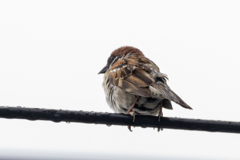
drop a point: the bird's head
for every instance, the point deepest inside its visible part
(119, 53)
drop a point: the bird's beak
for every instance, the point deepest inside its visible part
(104, 69)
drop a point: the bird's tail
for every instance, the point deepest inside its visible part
(163, 91)
(175, 98)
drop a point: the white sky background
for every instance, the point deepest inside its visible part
(51, 52)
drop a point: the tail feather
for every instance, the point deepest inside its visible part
(175, 98)
(162, 90)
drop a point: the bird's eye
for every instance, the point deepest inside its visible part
(111, 59)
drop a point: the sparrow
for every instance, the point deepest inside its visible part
(134, 85)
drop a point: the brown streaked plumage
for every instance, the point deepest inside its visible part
(134, 84)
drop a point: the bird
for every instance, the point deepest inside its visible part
(133, 84)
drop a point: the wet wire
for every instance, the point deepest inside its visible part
(118, 119)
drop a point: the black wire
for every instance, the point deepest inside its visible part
(118, 119)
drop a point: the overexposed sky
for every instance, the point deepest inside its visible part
(51, 52)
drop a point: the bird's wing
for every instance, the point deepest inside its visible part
(134, 74)
(131, 74)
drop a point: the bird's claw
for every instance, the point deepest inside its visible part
(160, 114)
(129, 128)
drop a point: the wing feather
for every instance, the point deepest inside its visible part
(140, 76)
(132, 88)
(131, 75)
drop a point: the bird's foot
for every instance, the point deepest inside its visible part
(129, 128)
(160, 114)
(132, 114)
(132, 106)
